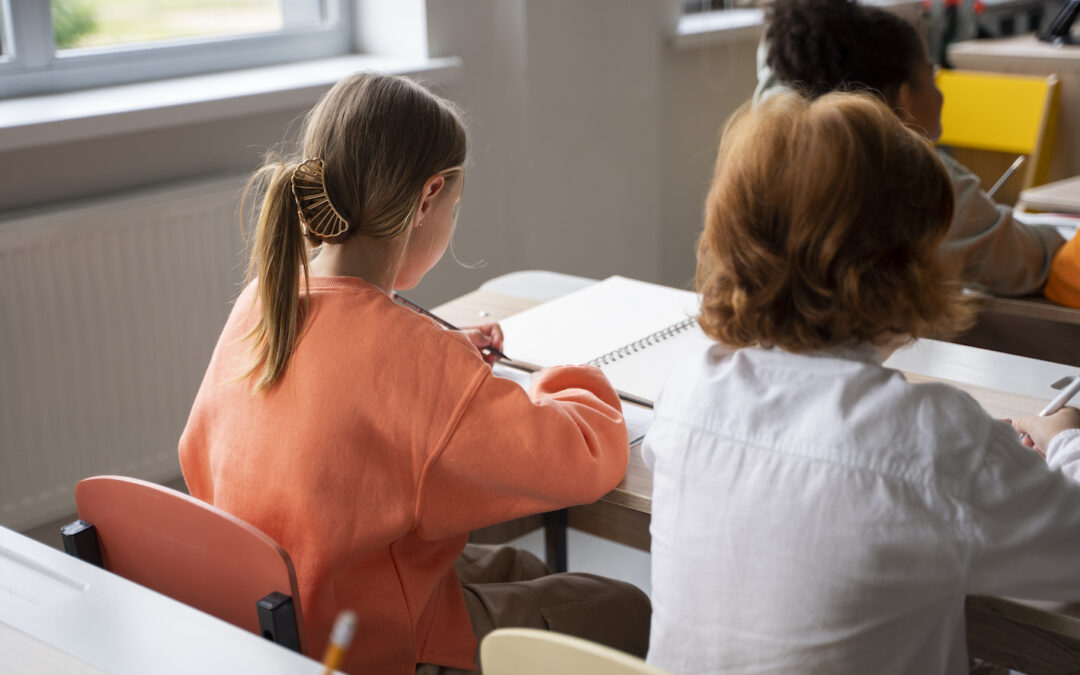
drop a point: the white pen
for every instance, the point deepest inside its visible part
(1059, 401)
(1005, 176)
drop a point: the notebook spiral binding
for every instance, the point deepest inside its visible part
(645, 342)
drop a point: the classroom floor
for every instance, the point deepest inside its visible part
(585, 553)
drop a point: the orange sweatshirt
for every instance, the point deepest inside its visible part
(386, 440)
(1063, 284)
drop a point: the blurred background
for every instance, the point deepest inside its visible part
(128, 127)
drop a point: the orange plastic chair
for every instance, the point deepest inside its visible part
(188, 550)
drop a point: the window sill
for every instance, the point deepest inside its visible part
(731, 25)
(72, 116)
(720, 27)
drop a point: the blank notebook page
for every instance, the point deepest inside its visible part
(643, 329)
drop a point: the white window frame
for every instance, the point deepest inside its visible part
(691, 7)
(32, 66)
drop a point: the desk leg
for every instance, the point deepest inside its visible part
(1021, 637)
(555, 540)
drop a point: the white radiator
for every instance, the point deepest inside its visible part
(109, 311)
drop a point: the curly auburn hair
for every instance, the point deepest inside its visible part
(821, 229)
(820, 46)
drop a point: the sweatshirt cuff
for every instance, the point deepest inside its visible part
(1051, 239)
(1064, 450)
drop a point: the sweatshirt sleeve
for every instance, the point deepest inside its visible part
(513, 453)
(988, 246)
(1025, 518)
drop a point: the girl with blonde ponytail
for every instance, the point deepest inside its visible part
(367, 440)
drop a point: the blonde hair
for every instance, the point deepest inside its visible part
(822, 227)
(380, 138)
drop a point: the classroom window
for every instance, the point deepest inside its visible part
(5, 39)
(110, 23)
(72, 44)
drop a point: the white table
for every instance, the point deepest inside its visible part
(981, 367)
(61, 615)
(1062, 196)
(1005, 385)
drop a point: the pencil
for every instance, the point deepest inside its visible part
(1059, 401)
(1062, 398)
(340, 637)
(445, 324)
(1005, 176)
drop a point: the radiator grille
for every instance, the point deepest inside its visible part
(108, 313)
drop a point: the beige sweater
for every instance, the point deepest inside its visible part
(986, 245)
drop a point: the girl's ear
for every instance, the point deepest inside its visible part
(903, 95)
(902, 105)
(432, 188)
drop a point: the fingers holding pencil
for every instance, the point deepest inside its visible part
(1066, 394)
(1041, 429)
(488, 338)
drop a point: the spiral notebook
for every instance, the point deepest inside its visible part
(632, 330)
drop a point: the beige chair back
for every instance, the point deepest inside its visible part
(527, 651)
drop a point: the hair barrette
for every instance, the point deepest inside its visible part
(317, 214)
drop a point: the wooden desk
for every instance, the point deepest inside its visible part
(1030, 326)
(1033, 639)
(61, 615)
(984, 374)
(1061, 196)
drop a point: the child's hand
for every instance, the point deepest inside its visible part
(485, 335)
(1041, 430)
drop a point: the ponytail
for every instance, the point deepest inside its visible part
(368, 147)
(278, 254)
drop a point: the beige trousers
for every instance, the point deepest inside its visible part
(506, 587)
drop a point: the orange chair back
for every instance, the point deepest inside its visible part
(185, 548)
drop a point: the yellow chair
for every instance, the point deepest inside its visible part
(527, 651)
(1011, 114)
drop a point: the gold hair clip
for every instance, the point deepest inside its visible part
(309, 188)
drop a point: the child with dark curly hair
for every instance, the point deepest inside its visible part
(819, 46)
(813, 511)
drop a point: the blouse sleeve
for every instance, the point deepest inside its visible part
(988, 246)
(513, 453)
(1025, 519)
(1064, 453)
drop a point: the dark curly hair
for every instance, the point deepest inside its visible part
(818, 46)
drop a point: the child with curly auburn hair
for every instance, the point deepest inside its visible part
(819, 46)
(812, 510)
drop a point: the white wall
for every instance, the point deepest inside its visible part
(592, 144)
(592, 138)
(701, 88)
(593, 135)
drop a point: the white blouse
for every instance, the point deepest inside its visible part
(818, 513)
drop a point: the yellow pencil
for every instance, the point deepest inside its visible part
(340, 637)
